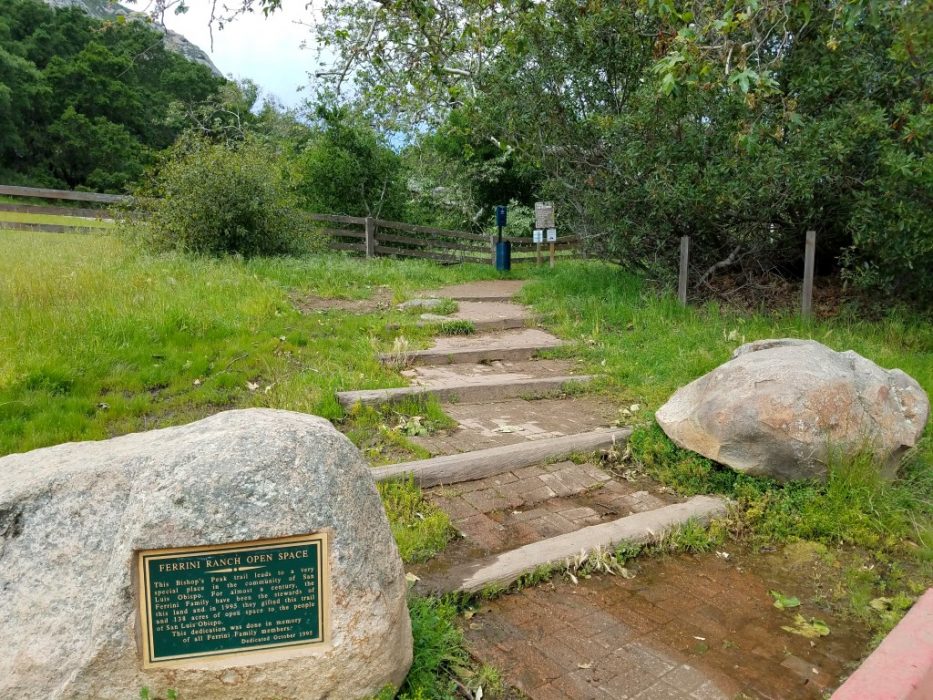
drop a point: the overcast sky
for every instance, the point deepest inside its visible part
(268, 51)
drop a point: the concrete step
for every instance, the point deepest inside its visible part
(465, 391)
(506, 567)
(480, 326)
(511, 345)
(481, 426)
(479, 464)
(485, 315)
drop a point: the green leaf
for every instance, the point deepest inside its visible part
(783, 602)
(811, 629)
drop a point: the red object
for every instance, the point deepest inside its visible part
(901, 668)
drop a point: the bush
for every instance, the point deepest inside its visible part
(348, 168)
(222, 198)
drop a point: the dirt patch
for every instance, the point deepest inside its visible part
(751, 294)
(381, 300)
(685, 626)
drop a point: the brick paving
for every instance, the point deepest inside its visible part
(685, 628)
(530, 504)
(481, 426)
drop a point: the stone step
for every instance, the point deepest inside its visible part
(509, 345)
(481, 426)
(465, 391)
(485, 315)
(467, 466)
(493, 290)
(480, 326)
(506, 567)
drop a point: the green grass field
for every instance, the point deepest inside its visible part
(81, 222)
(98, 338)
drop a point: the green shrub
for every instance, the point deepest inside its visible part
(222, 198)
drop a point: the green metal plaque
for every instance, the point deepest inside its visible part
(207, 601)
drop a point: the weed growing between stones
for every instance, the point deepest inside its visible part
(442, 667)
(440, 654)
(146, 694)
(383, 433)
(420, 528)
(457, 327)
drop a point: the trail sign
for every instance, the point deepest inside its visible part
(544, 215)
(538, 236)
(551, 235)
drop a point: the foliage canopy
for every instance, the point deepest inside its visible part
(84, 102)
(741, 126)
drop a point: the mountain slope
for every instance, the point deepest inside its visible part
(103, 9)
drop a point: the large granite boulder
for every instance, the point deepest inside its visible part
(779, 408)
(73, 519)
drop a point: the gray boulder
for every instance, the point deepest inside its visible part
(72, 518)
(779, 408)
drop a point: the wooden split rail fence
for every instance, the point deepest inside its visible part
(32, 215)
(371, 237)
(368, 236)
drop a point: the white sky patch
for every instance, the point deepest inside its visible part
(265, 50)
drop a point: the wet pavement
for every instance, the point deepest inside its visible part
(684, 627)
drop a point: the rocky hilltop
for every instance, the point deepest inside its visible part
(103, 9)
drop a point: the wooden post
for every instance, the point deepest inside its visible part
(809, 254)
(492, 250)
(538, 253)
(370, 237)
(682, 279)
(552, 245)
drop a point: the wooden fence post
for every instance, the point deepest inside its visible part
(370, 237)
(682, 279)
(492, 248)
(809, 254)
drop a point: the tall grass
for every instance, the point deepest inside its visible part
(99, 339)
(646, 345)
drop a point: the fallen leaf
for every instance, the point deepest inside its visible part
(252, 386)
(588, 664)
(811, 629)
(411, 578)
(881, 604)
(783, 602)
(468, 614)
